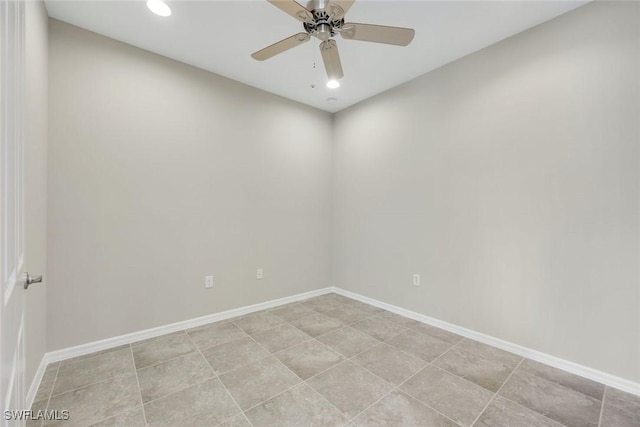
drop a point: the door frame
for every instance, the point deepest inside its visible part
(12, 239)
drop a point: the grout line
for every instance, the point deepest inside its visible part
(374, 403)
(89, 385)
(89, 356)
(397, 388)
(276, 395)
(428, 364)
(432, 363)
(239, 366)
(394, 387)
(604, 394)
(165, 361)
(179, 390)
(556, 384)
(117, 415)
(130, 409)
(368, 349)
(279, 361)
(55, 378)
(342, 362)
(133, 362)
(496, 393)
(326, 333)
(219, 344)
(305, 381)
(217, 377)
(51, 395)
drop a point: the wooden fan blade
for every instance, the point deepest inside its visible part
(338, 8)
(378, 34)
(294, 9)
(331, 59)
(281, 46)
(345, 5)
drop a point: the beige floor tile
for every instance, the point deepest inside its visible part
(389, 363)
(149, 353)
(340, 298)
(567, 379)
(347, 314)
(281, 337)
(293, 311)
(168, 377)
(350, 388)
(365, 307)
(613, 416)
(484, 372)
(623, 400)
(46, 384)
(36, 420)
(322, 303)
(215, 334)
(95, 353)
(316, 324)
(458, 399)
(309, 358)
(419, 345)
(205, 404)
(253, 384)
(132, 418)
(348, 341)
(231, 355)
(401, 410)
(257, 322)
(300, 406)
(91, 370)
(438, 333)
(97, 402)
(237, 421)
(507, 359)
(503, 412)
(379, 328)
(554, 401)
(400, 320)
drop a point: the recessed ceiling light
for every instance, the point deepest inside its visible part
(332, 84)
(332, 100)
(159, 7)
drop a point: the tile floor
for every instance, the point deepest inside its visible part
(325, 361)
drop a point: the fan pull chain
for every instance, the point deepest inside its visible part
(314, 54)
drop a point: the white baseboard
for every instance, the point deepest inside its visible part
(81, 350)
(547, 359)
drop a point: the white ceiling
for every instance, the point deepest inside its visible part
(219, 36)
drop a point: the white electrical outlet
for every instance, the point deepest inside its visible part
(259, 274)
(416, 280)
(208, 282)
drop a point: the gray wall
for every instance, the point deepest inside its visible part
(160, 174)
(36, 135)
(509, 181)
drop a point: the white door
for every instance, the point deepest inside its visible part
(12, 297)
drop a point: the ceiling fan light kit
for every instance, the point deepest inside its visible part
(324, 19)
(159, 7)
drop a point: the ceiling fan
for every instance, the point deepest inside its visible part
(324, 19)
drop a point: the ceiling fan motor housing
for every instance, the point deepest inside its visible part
(324, 24)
